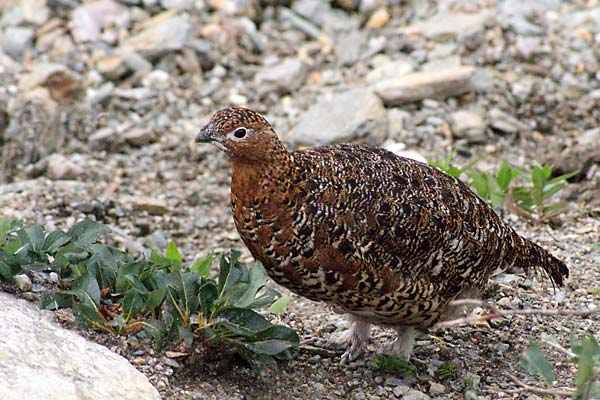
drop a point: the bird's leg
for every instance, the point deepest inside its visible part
(356, 338)
(403, 345)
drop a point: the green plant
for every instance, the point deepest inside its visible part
(111, 291)
(499, 188)
(445, 164)
(446, 371)
(494, 187)
(584, 353)
(393, 364)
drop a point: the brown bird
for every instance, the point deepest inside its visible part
(388, 240)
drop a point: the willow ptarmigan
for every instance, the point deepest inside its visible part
(388, 240)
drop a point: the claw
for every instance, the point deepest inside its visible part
(355, 340)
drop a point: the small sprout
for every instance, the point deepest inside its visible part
(446, 371)
(393, 364)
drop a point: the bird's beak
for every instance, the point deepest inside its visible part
(203, 136)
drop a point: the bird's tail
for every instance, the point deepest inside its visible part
(532, 256)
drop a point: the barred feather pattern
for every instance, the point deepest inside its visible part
(385, 238)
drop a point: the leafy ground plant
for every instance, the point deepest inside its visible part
(500, 188)
(110, 290)
(584, 353)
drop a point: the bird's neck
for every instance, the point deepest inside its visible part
(254, 175)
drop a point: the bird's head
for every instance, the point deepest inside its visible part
(243, 134)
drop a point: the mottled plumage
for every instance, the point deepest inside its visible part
(389, 240)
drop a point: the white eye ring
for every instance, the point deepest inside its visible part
(240, 133)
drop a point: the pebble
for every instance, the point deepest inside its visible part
(393, 382)
(448, 26)
(23, 282)
(505, 122)
(378, 19)
(341, 117)
(417, 86)
(468, 125)
(89, 19)
(16, 39)
(392, 69)
(282, 77)
(59, 168)
(436, 388)
(414, 395)
(151, 205)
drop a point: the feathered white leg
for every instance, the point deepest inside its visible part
(356, 338)
(405, 342)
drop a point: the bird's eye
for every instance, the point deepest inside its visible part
(240, 133)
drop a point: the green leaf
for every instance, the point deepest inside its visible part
(257, 279)
(54, 241)
(278, 306)
(32, 235)
(245, 318)
(87, 232)
(270, 347)
(202, 267)
(172, 253)
(534, 362)
(133, 304)
(89, 285)
(586, 350)
(504, 175)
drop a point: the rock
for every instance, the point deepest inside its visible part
(395, 382)
(400, 150)
(417, 86)
(23, 12)
(468, 125)
(61, 168)
(400, 390)
(392, 69)
(349, 46)
(39, 360)
(88, 19)
(504, 122)
(342, 117)
(23, 282)
(139, 136)
(16, 39)
(282, 77)
(177, 4)
(415, 395)
(436, 388)
(378, 19)
(151, 205)
(580, 155)
(164, 32)
(449, 26)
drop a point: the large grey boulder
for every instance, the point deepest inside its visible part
(41, 360)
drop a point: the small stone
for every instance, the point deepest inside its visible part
(342, 117)
(392, 69)
(16, 39)
(61, 168)
(394, 382)
(436, 388)
(359, 395)
(417, 86)
(139, 136)
(23, 282)
(177, 4)
(164, 32)
(468, 125)
(88, 19)
(151, 205)
(378, 19)
(414, 395)
(505, 122)
(449, 25)
(282, 77)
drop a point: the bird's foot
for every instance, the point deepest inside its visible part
(403, 346)
(355, 340)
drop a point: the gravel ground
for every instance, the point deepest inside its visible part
(110, 140)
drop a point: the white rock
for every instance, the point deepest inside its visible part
(440, 83)
(39, 360)
(23, 282)
(88, 19)
(34, 11)
(400, 150)
(342, 117)
(392, 69)
(164, 32)
(468, 125)
(449, 25)
(16, 39)
(59, 168)
(505, 122)
(151, 205)
(177, 4)
(282, 77)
